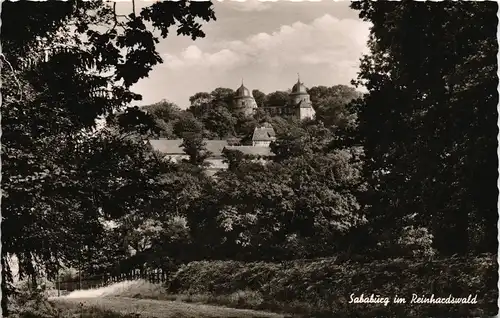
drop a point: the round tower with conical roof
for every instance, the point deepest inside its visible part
(243, 99)
(301, 101)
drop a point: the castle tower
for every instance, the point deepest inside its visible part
(301, 102)
(244, 100)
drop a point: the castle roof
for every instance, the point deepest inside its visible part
(173, 146)
(253, 150)
(264, 133)
(243, 92)
(299, 88)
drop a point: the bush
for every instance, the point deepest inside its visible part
(323, 287)
(416, 241)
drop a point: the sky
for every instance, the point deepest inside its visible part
(264, 43)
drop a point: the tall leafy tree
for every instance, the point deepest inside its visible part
(331, 104)
(233, 158)
(195, 147)
(277, 98)
(220, 121)
(223, 95)
(429, 120)
(164, 110)
(260, 97)
(70, 63)
(200, 104)
(187, 123)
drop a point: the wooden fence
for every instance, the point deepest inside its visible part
(88, 282)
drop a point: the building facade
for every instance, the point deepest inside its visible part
(299, 104)
(173, 151)
(263, 135)
(243, 99)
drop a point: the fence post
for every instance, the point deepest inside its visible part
(58, 284)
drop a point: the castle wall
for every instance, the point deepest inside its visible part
(307, 112)
(261, 143)
(299, 98)
(248, 105)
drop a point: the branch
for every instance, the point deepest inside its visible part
(115, 18)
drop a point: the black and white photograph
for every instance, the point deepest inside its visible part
(192, 159)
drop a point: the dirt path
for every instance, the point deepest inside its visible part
(162, 308)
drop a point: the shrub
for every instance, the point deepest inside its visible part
(323, 287)
(416, 241)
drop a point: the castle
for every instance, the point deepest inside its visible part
(299, 104)
(173, 151)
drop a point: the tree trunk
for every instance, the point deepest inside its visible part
(6, 279)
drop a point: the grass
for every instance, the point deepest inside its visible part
(130, 307)
(141, 289)
(126, 300)
(51, 309)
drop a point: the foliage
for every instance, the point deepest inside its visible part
(301, 205)
(322, 287)
(68, 67)
(233, 158)
(331, 104)
(194, 146)
(277, 98)
(214, 113)
(416, 240)
(429, 121)
(29, 302)
(134, 121)
(166, 116)
(260, 97)
(187, 123)
(220, 121)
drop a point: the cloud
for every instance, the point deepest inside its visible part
(327, 41)
(192, 56)
(325, 51)
(249, 5)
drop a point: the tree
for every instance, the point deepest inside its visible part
(220, 121)
(187, 123)
(428, 122)
(194, 147)
(261, 116)
(301, 207)
(260, 97)
(200, 104)
(218, 114)
(164, 110)
(294, 206)
(292, 143)
(68, 66)
(277, 98)
(309, 137)
(331, 104)
(233, 158)
(134, 120)
(222, 95)
(327, 209)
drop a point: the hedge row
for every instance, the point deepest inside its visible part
(322, 288)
